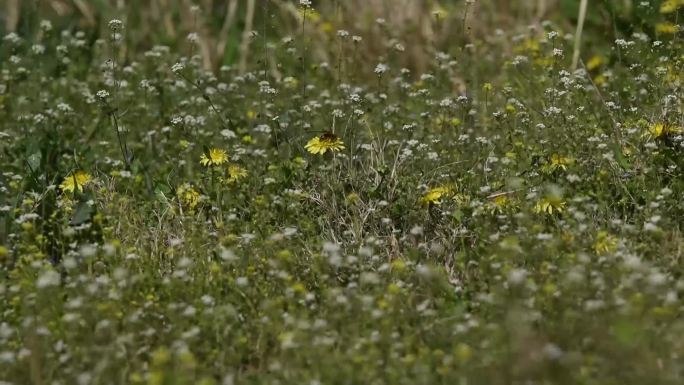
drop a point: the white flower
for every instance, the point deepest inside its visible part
(46, 25)
(178, 67)
(517, 276)
(47, 279)
(115, 24)
(102, 94)
(381, 68)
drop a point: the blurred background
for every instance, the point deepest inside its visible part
(226, 31)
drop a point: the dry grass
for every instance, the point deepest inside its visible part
(225, 27)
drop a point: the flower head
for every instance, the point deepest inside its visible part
(76, 181)
(667, 28)
(595, 62)
(188, 195)
(549, 205)
(214, 157)
(321, 144)
(500, 203)
(661, 130)
(670, 6)
(435, 195)
(605, 243)
(558, 162)
(235, 173)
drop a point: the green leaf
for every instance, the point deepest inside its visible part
(161, 192)
(82, 214)
(34, 161)
(620, 157)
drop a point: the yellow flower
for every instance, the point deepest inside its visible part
(321, 144)
(670, 6)
(76, 181)
(500, 203)
(214, 157)
(600, 80)
(188, 195)
(667, 28)
(661, 130)
(435, 195)
(595, 62)
(235, 173)
(549, 206)
(605, 243)
(528, 45)
(558, 162)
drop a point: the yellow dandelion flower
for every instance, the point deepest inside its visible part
(549, 206)
(188, 196)
(235, 173)
(321, 144)
(600, 80)
(214, 157)
(673, 75)
(500, 203)
(558, 162)
(667, 28)
(605, 243)
(435, 195)
(76, 181)
(528, 45)
(595, 62)
(670, 6)
(661, 130)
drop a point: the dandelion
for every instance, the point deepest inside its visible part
(604, 243)
(661, 130)
(188, 196)
(549, 205)
(595, 62)
(667, 28)
(558, 162)
(76, 181)
(500, 203)
(235, 173)
(321, 144)
(214, 157)
(670, 6)
(435, 195)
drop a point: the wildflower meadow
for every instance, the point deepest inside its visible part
(326, 192)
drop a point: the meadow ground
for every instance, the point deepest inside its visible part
(429, 203)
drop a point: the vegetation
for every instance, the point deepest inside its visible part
(331, 195)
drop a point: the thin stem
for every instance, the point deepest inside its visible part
(578, 33)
